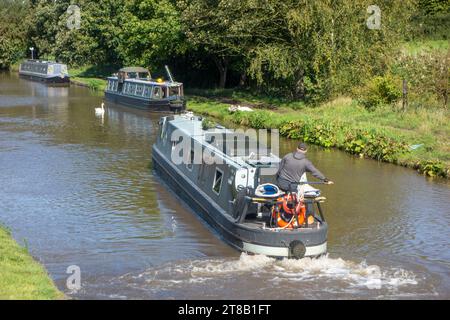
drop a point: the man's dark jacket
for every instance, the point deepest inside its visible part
(292, 167)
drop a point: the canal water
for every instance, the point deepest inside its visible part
(78, 189)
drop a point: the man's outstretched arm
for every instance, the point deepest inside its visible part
(313, 170)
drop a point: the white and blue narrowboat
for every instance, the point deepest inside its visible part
(134, 87)
(44, 71)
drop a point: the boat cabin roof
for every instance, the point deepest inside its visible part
(191, 126)
(34, 61)
(150, 81)
(134, 69)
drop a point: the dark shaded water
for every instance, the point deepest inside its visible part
(78, 190)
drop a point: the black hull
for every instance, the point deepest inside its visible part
(148, 105)
(65, 81)
(239, 236)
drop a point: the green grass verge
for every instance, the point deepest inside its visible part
(91, 83)
(415, 47)
(21, 277)
(92, 77)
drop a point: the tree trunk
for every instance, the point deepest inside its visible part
(223, 78)
(405, 96)
(299, 89)
(222, 66)
(243, 79)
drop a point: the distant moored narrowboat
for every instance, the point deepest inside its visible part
(45, 71)
(134, 87)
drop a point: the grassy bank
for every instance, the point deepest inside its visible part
(92, 77)
(419, 46)
(21, 277)
(416, 139)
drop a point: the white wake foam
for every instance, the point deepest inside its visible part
(336, 271)
(356, 274)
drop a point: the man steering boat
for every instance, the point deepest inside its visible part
(293, 166)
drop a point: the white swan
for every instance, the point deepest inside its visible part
(100, 111)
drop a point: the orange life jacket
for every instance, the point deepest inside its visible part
(290, 212)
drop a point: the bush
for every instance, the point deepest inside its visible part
(259, 119)
(208, 124)
(316, 91)
(433, 168)
(427, 74)
(312, 131)
(374, 145)
(380, 91)
(255, 119)
(434, 26)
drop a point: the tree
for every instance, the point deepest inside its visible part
(209, 26)
(325, 42)
(97, 39)
(42, 24)
(150, 33)
(12, 31)
(432, 7)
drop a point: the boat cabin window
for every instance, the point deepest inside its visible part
(132, 75)
(139, 90)
(131, 88)
(147, 91)
(174, 91)
(136, 75)
(157, 93)
(218, 177)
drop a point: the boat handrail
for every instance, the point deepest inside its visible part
(150, 81)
